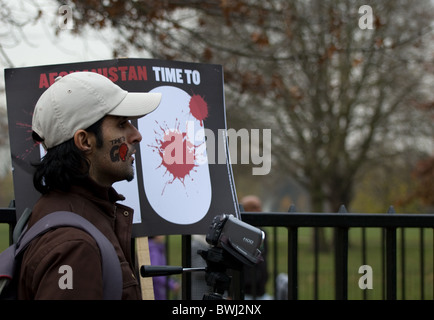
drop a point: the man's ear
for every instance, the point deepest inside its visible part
(84, 140)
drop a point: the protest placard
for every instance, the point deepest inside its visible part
(183, 173)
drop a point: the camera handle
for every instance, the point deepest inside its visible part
(155, 271)
(217, 260)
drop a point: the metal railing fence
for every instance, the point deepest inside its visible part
(389, 223)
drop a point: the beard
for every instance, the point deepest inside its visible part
(130, 176)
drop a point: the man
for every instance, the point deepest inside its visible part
(256, 277)
(83, 122)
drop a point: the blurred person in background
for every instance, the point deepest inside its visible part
(255, 277)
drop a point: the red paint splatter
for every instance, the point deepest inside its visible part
(32, 145)
(123, 151)
(198, 108)
(177, 152)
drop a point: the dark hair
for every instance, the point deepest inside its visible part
(63, 165)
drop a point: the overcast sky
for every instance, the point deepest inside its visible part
(38, 45)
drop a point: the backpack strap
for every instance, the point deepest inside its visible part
(111, 269)
(21, 225)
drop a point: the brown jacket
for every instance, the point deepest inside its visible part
(40, 276)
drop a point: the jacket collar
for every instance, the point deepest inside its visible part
(90, 187)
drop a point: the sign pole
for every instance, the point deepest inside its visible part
(144, 259)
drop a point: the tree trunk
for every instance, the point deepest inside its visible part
(319, 240)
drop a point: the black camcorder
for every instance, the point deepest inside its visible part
(234, 244)
(240, 239)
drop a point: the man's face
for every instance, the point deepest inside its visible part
(113, 161)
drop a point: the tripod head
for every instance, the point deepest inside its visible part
(218, 261)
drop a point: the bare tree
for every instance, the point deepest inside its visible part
(14, 15)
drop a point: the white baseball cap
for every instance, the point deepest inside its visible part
(78, 100)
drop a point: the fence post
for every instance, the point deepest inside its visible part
(403, 271)
(292, 260)
(391, 260)
(422, 264)
(364, 257)
(341, 260)
(186, 263)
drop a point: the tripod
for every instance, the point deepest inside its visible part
(217, 260)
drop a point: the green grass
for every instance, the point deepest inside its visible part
(4, 236)
(326, 288)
